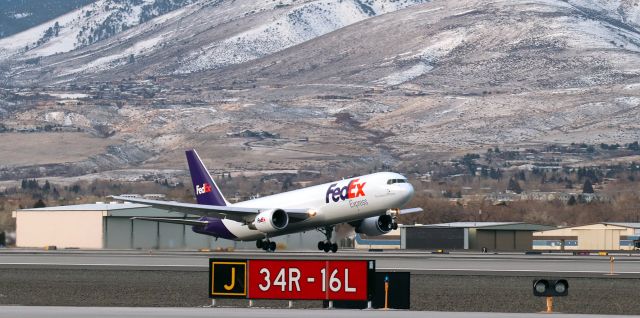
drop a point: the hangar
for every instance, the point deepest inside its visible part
(109, 226)
(494, 236)
(598, 236)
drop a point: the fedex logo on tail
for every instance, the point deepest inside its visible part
(352, 190)
(202, 189)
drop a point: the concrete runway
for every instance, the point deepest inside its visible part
(425, 263)
(107, 312)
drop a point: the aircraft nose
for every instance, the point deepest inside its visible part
(409, 191)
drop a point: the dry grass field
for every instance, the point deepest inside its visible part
(19, 149)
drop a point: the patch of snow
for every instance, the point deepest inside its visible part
(301, 23)
(407, 75)
(121, 58)
(54, 117)
(632, 86)
(29, 37)
(75, 29)
(168, 16)
(441, 45)
(68, 95)
(23, 15)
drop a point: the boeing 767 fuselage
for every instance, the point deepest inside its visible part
(369, 203)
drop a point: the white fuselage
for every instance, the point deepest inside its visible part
(331, 203)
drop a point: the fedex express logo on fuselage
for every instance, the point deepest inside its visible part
(202, 189)
(352, 190)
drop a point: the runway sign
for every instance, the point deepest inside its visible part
(292, 279)
(227, 278)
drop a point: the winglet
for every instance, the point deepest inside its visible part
(206, 190)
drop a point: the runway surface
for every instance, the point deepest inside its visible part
(426, 263)
(468, 282)
(103, 312)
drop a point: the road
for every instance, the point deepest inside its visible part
(425, 263)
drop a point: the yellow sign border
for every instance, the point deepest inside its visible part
(213, 268)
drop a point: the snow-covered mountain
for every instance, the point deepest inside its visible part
(209, 33)
(413, 76)
(19, 15)
(298, 24)
(84, 26)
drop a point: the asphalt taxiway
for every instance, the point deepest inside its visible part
(625, 265)
(103, 312)
(469, 282)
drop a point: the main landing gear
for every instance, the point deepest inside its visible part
(266, 245)
(327, 246)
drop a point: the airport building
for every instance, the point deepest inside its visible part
(389, 241)
(109, 226)
(493, 236)
(599, 236)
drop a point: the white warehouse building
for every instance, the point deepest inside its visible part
(109, 226)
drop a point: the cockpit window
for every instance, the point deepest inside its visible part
(392, 181)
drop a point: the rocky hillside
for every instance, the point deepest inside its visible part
(336, 79)
(110, 35)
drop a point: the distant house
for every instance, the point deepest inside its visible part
(598, 236)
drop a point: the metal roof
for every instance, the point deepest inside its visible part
(624, 224)
(473, 224)
(90, 207)
(514, 226)
(113, 209)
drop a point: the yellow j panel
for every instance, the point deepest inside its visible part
(228, 279)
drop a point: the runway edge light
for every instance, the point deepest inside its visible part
(550, 287)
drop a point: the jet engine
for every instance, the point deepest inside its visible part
(375, 225)
(271, 221)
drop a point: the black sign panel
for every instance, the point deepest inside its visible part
(395, 286)
(227, 278)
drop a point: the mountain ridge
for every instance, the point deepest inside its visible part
(429, 77)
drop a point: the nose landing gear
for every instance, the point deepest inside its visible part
(327, 246)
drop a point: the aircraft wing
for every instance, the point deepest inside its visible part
(222, 212)
(411, 210)
(172, 220)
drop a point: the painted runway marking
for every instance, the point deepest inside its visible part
(311, 279)
(123, 265)
(500, 270)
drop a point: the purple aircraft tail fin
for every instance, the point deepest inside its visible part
(206, 190)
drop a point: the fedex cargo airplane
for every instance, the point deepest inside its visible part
(369, 203)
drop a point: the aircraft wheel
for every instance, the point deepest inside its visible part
(266, 245)
(259, 244)
(272, 246)
(321, 245)
(394, 226)
(327, 247)
(334, 247)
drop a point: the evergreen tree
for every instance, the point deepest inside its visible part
(55, 193)
(39, 204)
(587, 188)
(572, 200)
(514, 186)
